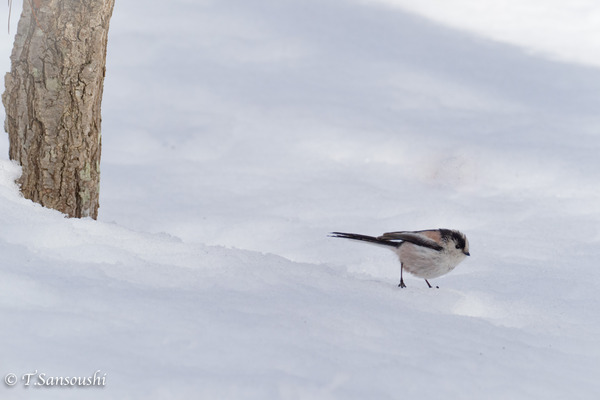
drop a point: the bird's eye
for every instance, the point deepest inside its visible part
(457, 246)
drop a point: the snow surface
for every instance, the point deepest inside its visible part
(559, 29)
(237, 134)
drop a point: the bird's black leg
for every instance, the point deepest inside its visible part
(428, 284)
(402, 285)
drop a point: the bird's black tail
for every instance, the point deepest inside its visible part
(365, 238)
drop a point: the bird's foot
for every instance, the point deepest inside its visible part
(428, 284)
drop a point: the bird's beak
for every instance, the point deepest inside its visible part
(467, 254)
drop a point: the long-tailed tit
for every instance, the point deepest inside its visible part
(425, 254)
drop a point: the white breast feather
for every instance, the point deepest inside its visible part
(426, 263)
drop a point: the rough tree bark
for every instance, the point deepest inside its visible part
(52, 100)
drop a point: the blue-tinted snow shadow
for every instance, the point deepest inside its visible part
(353, 37)
(331, 62)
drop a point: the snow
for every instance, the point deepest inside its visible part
(550, 28)
(237, 135)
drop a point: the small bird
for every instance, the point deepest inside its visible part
(425, 254)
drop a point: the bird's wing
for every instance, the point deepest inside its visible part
(418, 238)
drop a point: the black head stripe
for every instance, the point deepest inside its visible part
(455, 236)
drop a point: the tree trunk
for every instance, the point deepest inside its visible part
(52, 100)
